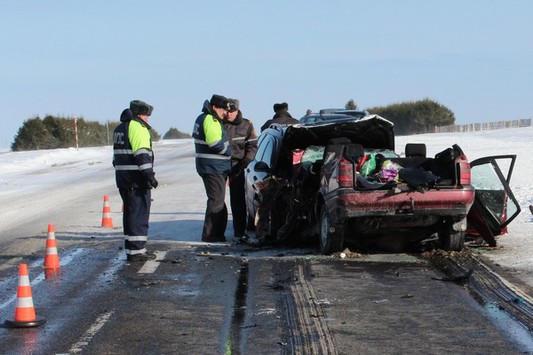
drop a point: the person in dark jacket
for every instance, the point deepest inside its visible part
(213, 164)
(281, 116)
(241, 134)
(133, 160)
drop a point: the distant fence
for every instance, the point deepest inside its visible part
(486, 126)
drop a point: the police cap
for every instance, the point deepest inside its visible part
(139, 107)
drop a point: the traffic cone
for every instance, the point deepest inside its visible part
(24, 312)
(51, 258)
(107, 222)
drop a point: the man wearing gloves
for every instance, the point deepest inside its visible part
(133, 160)
(213, 164)
(241, 134)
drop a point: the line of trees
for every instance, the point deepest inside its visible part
(59, 132)
(413, 117)
(174, 133)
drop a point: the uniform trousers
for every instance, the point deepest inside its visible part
(137, 203)
(238, 203)
(216, 213)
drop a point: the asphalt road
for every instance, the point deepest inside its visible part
(223, 299)
(227, 299)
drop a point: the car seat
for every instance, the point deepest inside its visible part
(415, 150)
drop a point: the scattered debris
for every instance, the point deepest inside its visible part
(381, 301)
(325, 301)
(458, 279)
(347, 253)
(266, 311)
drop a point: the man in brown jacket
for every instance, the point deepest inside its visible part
(241, 134)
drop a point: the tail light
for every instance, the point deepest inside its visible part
(464, 173)
(345, 174)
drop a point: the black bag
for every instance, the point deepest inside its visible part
(418, 179)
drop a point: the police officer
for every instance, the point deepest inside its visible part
(243, 138)
(281, 116)
(133, 160)
(213, 164)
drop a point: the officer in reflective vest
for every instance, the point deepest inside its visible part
(213, 164)
(133, 160)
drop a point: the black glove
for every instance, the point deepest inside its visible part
(153, 182)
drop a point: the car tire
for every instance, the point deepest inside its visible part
(451, 240)
(331, 238)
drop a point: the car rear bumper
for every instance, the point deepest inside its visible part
(346, 204)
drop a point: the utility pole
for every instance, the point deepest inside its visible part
(107, 130)
(76, 130)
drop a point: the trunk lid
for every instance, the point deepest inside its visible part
(373, 132)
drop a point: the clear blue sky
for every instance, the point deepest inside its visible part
(90, 58)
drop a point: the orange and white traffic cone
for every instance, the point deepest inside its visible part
(24, 312)
(51, 258)
(107, 221)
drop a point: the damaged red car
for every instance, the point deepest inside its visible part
(347, 185)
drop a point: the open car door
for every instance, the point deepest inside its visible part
(495, 205)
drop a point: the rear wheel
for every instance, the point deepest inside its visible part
(331, 238)
(452, 240)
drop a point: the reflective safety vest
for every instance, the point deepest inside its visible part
(133, 157)
(213, 150)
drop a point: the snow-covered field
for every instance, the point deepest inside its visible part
(65, 187)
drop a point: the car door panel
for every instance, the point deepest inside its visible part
(495, 205)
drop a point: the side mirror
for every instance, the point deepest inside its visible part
(261, 167)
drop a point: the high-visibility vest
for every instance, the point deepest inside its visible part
(133, 157)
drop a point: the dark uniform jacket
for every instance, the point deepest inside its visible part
(133, 157)
(241, 134)
(213, 150)
(283, 118)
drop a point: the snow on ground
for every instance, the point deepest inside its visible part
(516, 250)
(66, 182)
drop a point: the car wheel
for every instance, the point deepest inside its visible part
(331, 238)
(452, 240)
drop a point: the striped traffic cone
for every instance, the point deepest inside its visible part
(51, 258)
(24, 312)
(107, 221)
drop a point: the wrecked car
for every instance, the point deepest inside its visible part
(348, 185)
